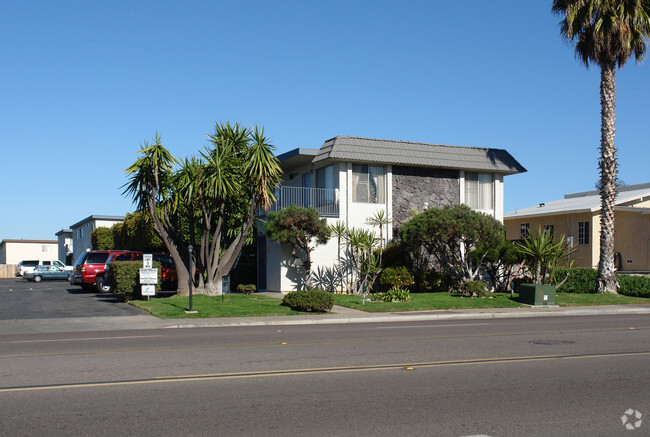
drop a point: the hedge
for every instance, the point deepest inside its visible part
(125, 279)
(637, 286)
(582, 280)
(309, 300)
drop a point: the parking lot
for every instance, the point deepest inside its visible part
(21, 299)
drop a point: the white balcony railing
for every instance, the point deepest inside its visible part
(323, 200)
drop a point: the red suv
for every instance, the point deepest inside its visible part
(89, 269)
(168, 276)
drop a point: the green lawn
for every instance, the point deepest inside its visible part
(428, 301)
(242, 305)
(233, 305)
(443, 301)
(576, 299)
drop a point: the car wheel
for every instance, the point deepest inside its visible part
(100, 286)
(37, 279)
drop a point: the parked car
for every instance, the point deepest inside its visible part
(168, 275)
(89, 269)
(25, 266)
(29, 265)
(41, 273)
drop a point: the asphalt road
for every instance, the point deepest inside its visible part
(548, 376)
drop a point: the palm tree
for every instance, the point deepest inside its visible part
(607, 33)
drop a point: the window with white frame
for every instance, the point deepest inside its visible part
(479, 189)
(524, 230)
(583, 232)
(368, 183)
(549, 230)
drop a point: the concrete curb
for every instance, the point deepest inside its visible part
(344, 316)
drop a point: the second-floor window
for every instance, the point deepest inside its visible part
(368, 183)
(325, 177)
(479, 191)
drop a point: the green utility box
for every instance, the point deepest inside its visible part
(537, 294)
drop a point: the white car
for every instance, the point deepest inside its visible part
(30, 265)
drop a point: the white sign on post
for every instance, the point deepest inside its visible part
(148, 290)
(147, 261)
(149, 276)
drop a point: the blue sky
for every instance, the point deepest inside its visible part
(85, 83)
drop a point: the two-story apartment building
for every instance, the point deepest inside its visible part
(82, 231)
(349, 179)
(577, 218)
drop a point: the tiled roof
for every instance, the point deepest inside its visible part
(342, 148)
(582, 202)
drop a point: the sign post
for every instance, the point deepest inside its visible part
(148, 276)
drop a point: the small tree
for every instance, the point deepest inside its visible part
(503, 262)
(298, 227)
(457, 237)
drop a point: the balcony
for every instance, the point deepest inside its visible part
(323, 200)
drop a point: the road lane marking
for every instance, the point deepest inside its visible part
(83, 339)
(431, 326)
(322, 370)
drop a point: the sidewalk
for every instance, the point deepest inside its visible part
(339, 315)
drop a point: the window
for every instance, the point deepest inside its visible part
(583, 232)
(524, 230)
(368, 183)
(325, 177)
(549, 230)
(478, 191)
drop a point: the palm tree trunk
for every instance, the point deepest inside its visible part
(606, 281)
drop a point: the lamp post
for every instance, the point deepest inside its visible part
(191, 249)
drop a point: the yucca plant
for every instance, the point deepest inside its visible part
(543, 250)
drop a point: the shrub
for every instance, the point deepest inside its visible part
(434, 282)
(637, 286)
(395, 294)
(125, 279)
(580, 280)
(246, 288)
(395, 255)
(518, 281)
(473, 289)
(309, 300)
(395, 277)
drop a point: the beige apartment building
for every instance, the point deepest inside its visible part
(577, 217)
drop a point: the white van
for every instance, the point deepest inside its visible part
(30, 265)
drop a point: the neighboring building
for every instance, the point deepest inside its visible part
(14, 251)
(81, 232)
(577, 217)
(65, 246)
(349, 179)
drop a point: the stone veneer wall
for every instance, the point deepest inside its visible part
(415, 186)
